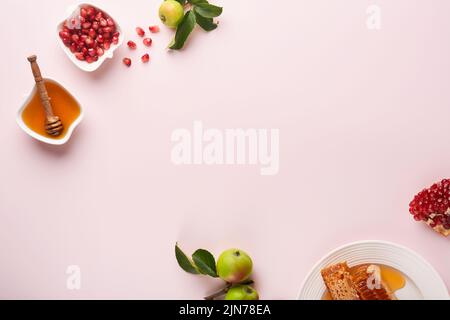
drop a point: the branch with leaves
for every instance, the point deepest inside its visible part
(199, 12)
(237, 282)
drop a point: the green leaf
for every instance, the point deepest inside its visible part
(208, 10)
(184, 262)
(207, 24)
(182, 2)
(195, 2)
(183, 31)
(205, 262)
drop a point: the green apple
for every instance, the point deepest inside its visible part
(234, 266)
(242, 292)
(171, 13)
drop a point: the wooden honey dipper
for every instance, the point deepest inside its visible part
(53, 125)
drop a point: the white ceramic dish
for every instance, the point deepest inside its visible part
(83, 65)
(422, 280)
(42, 138)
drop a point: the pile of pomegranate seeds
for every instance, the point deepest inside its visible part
(432, 205)
(89, 35)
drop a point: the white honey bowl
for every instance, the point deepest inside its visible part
(40, 137)
(83, 65)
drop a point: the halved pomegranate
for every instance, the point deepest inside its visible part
(432, 205)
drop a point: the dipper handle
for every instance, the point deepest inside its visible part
(40, 85)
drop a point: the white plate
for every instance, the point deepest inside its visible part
(422, 280)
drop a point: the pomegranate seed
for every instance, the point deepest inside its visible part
(64, 35)
(106, 45)
(75, 38)
(145, 58)
(100, 52)
(86, 25)
(127, 62)
(83, 12)
(92, 33)
(148, 42)
(132, 45)
(110, 22)
(89, 41)
(79, 56)
(140, 31)
(90, 11)
(107, 30)
(154, 29)
(100, 38)
(115, 40)
(99, 16)
(103, 22)
(92, 52)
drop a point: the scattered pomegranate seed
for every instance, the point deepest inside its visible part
(140, 31)
(432, 205)
(145, 58)
(147, 42)
(131, 44)
(91, 36)
(154, 29)
(127, 62)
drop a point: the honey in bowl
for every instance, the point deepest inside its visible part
(63, 103)
(393, 278)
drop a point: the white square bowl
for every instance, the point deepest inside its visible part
(37, 136)
(83, 65)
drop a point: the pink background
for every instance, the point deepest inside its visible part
(364, 125)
